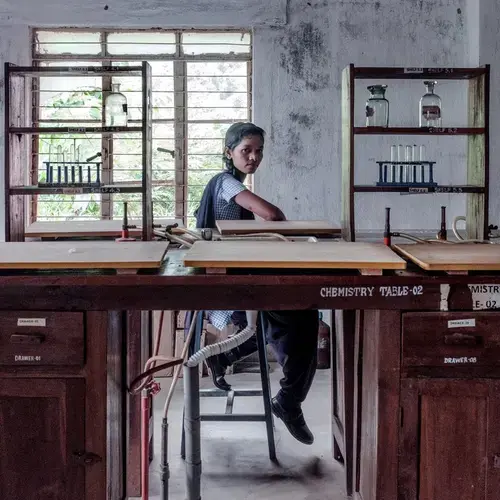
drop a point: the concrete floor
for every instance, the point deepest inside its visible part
(236, 464)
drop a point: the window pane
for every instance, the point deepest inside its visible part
(216, 43)
(62, 42)
(141, 43)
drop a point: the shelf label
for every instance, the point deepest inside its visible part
(418, 190)
(414, 70)
(371, 291)
(439, 70)
(443, 130)
(461, 323)
(448, 189)
(31, 322)
(485, 297)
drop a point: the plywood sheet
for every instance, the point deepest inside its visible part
(87, 228)
(458, 257)
(82, 255)
(282, 254)
(288, 227)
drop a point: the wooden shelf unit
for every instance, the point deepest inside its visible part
(477, 132)
(19, 139)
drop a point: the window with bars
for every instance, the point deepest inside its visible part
(201, 85)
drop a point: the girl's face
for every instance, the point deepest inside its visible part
(247, 155)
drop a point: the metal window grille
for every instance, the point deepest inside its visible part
(201, 85)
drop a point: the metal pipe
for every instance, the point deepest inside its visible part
(192, 432)
(442, 232)
(164, 469)
(145, 446)
(387, 229)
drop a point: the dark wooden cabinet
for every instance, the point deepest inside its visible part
(427, 406)
(449, 440)
(62, 401)
(42, 439)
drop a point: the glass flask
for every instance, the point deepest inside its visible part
(430, 107)
(116, 108)
(377, 107)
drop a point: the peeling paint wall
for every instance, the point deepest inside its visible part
(300, 48)
(297, 87)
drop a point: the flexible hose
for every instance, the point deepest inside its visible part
(255, 235)
(225, 345)
(458, 236)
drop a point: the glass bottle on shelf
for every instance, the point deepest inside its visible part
(430, 107)
(377, 107)
(116, 108)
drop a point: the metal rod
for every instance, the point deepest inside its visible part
(387, 229)
(442, 233)
(192, 430)
(164, 468)
(145, 445)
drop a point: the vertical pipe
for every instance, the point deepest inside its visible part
(387, 229)
(164, 469)
(192, 430)
(442, 233)
(145, 446)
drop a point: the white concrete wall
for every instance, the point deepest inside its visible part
(300, 48)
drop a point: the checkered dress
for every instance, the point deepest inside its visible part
(225, 209)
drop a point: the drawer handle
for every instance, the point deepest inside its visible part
(461, 339)
(27, 338)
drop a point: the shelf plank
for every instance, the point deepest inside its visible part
(114, 188)
(36, 71)
(418, 190)
(419, 130)
(73, 130)
(418, 73)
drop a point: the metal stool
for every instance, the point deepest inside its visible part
(229, 416)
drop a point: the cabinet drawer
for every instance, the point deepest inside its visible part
(41, 338)
(451, 339)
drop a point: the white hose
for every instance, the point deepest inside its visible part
(458, 236)
(225, 345)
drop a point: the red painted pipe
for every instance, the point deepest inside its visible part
(145, 446)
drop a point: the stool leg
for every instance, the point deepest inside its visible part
(183, 439)
(266, 391)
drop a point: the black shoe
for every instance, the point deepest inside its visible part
(217, 370)
(294, 421)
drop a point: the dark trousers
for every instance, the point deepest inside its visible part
(293, 335)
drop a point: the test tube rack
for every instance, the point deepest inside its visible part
(406, 173)
(71, 174)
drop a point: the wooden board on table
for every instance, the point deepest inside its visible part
(458, 257)
(82, 255)
(87, 228)
(287, 227)
(282, 254)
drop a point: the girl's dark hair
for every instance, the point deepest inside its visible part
(234, 135)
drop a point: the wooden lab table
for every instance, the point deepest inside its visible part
(88, 228)
(426, 392)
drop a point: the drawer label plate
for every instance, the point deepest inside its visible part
(461, 323)
(31, 322)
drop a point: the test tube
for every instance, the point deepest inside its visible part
(422, 166)
(80, 174)
(59, 174)
(88, 174)
(394, 154)
(415, 158)
(47, 172)
(408, 156)
(401, 158)
(66, 174)
(72, 174)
